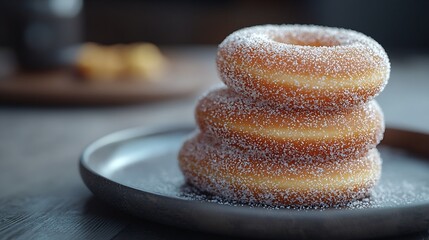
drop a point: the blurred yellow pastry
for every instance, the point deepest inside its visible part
(140, 61)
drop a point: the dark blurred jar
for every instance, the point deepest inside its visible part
(46, 33)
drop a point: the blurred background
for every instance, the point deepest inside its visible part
(102, 52)
(400, 26)
(93, 53)
(72, 71)
(96, 66)
(62, 42)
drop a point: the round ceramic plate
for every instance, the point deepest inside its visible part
(136, 170)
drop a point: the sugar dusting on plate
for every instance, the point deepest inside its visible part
(404, 182)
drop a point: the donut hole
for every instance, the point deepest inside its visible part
(309, 39)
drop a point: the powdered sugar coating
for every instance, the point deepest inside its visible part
(294, 134)
(250, 177)
(296, 127)
(301, 66)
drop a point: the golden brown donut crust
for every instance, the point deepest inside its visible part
(295, 134)
(297, 125)
(301, 66)
(250, 177)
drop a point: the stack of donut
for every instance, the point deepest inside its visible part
(297, 124)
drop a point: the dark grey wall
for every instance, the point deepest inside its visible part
(399, 25)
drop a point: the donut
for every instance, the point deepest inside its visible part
(299, 66)
(296, 124)
(250, 177)
(293, 134)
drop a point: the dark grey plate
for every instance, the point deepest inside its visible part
(136, 170)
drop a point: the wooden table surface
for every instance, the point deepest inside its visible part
(43, 197)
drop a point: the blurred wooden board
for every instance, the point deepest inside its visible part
(183, 76)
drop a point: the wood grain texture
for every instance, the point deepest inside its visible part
(148, 230)
(58, 218)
